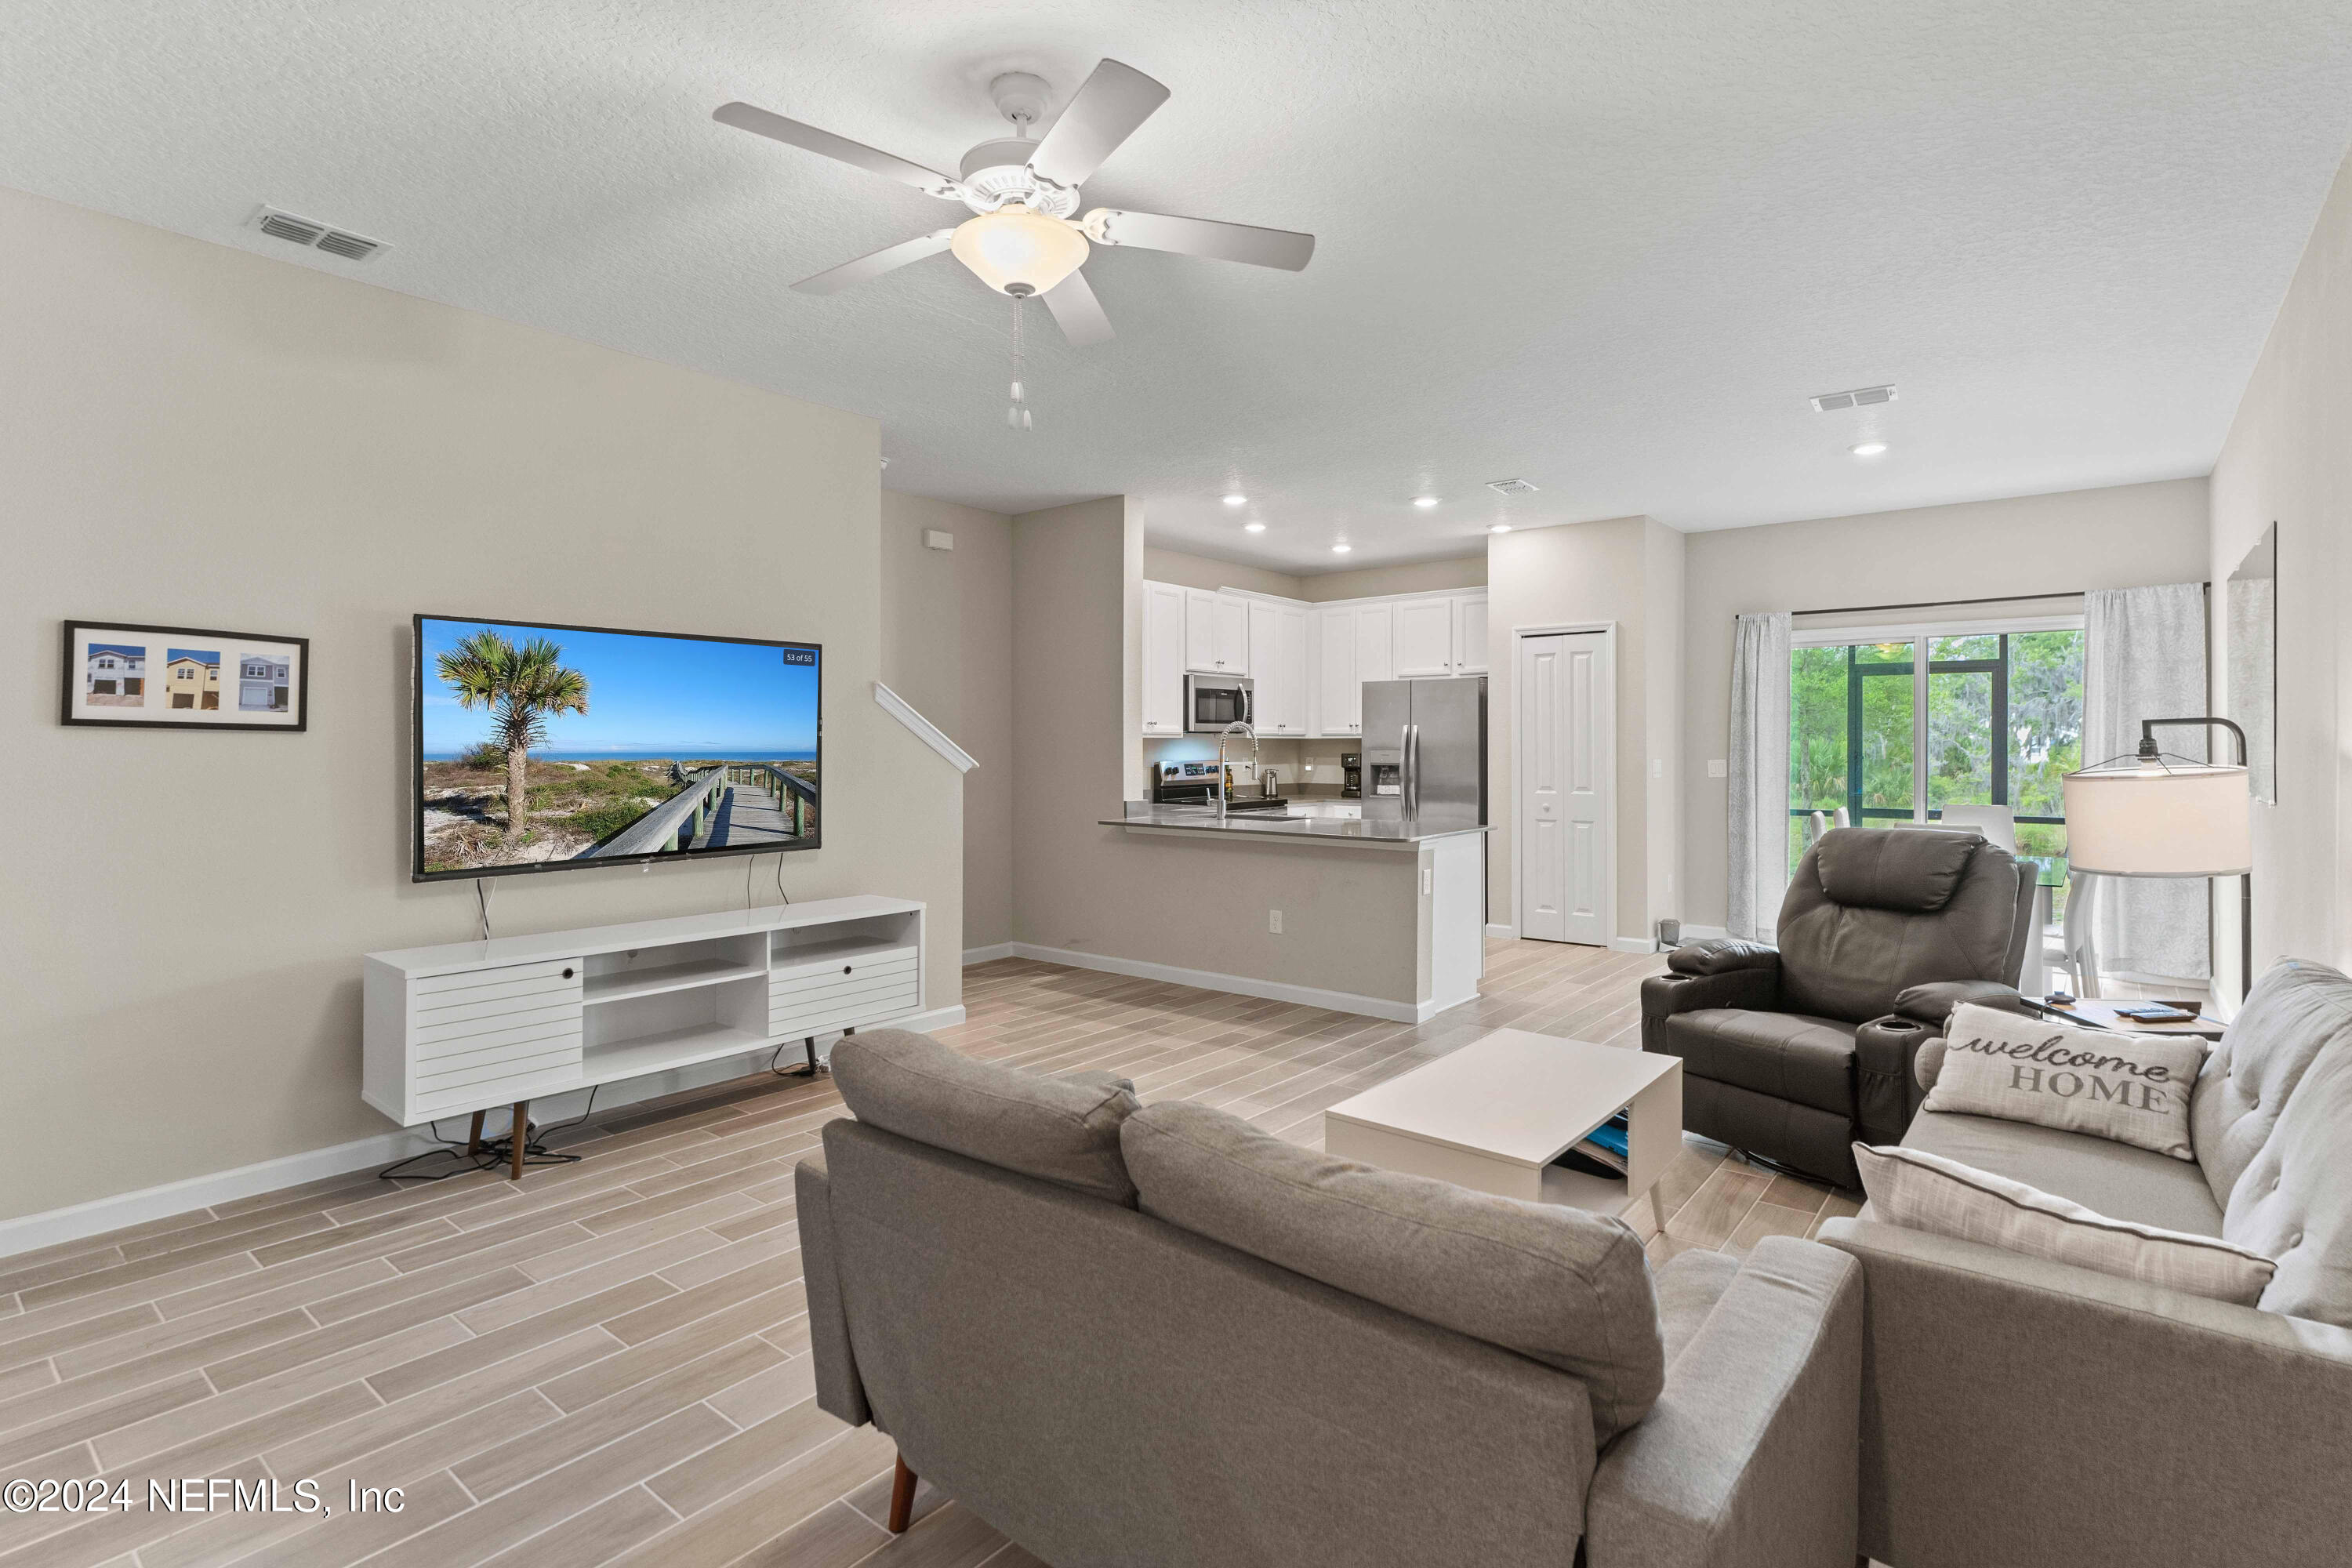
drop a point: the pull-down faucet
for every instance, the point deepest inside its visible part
(1223, 786)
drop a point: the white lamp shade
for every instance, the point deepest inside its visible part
(2159, 822)
(1015, 249)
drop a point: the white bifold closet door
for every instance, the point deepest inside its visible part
(1565, 726)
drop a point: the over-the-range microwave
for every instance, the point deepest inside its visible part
(1213, 702)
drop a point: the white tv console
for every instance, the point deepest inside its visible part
(468, 1026)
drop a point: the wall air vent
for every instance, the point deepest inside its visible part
(1860, 398)
(316, 236)
(1511, 486)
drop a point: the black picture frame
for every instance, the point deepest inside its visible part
(70, 668)
(416, 872)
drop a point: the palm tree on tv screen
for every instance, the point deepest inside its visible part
(520, 688)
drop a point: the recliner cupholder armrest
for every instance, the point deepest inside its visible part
(1722, 955)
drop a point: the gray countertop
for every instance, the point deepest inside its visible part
(1269, 825)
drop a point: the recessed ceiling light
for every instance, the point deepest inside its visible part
(1341, 549)
(1237, 499)
(1500, 528)
(1252, 527)
(1424, 502)
(1867, 449)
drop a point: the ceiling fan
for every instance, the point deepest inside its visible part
(1023, 240)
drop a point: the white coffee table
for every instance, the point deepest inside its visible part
(1495, 1114)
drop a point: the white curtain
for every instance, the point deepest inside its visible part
(2144, 657)
(1759, 775)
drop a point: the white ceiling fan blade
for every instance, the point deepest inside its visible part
(1077, 312)
(1110, 103)
(761, 122)
(1201, 236)
(867, 269)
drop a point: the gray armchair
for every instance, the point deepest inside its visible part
(1792, 1052)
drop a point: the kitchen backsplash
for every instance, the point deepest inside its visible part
(1288, 758)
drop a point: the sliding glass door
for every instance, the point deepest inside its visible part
(1897, 729)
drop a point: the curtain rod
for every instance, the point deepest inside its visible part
(1938, 603)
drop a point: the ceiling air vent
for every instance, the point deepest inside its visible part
(1860, 398)
(1511, 486)
(316, 236)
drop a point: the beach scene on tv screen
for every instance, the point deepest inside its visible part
(545, 744)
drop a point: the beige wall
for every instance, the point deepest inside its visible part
(2288, 459)
(2127, 536)
(1366, 583)
(201, 437)
(1412, 577)
(947, 647)
(1622, 571)
(1200, 572)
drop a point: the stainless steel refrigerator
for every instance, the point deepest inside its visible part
(1425, 748)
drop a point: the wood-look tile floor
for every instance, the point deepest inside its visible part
(608, 1362)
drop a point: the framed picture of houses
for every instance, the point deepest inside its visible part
(184, 678)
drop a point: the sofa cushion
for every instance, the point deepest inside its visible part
(1561, 1285)
(1912, 873)
(2294, 1010)
(2294, 1201)
(2114, 1179)
(1688, 1288)
(1789, 1055)
(1057, 1129)
(2132, 1089)
(1920, 1191)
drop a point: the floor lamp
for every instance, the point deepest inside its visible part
(2156, 814)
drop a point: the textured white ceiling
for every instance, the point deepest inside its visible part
(1610, 248)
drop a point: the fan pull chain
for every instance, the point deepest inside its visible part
(1016, 414)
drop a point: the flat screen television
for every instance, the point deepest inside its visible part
(543, 748)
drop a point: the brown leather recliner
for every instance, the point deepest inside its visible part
(1794, 1052)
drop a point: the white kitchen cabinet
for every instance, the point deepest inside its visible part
(1422, 637)
(1470, 634)
(1278, 641)
(1375, 650)
(1233, 636)
(1163, 658)
(1201, 630)
(1335, 699)
(1289, 674)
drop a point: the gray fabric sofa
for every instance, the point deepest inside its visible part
(2021, 1412)
(1792, 1052)
(1144, 1337)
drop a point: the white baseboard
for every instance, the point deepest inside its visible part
(1238, 984)
(1704, 934)
(1502, 931)
(988, 955)
(28, 1232)
(1632, 944)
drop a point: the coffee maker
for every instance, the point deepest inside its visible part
(1351, 775)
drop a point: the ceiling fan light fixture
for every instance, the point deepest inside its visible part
(1019, 252)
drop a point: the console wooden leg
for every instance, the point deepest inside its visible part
(518, 1135)
(474, 1139)
(902, 1498)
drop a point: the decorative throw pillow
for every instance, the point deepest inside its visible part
(2132, 1089)
(1913, 1188)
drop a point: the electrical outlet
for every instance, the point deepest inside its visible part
(1717, 768)
(1273, 922)
(1657, 767)
(1428, 881)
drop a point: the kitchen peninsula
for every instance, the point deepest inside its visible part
(1385, 918)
